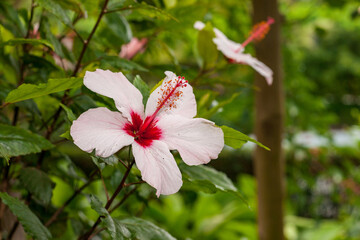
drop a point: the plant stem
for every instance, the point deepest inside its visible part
(50, 130)
(123, 200)
(86, 42)
(60, 210)
(89, 234)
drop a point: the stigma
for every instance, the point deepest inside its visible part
(258, 32)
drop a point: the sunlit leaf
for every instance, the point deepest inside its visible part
(28, 91)
(31, 223)
(236, 139)
(34, 42)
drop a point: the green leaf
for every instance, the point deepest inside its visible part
(207, 174)
(19, 41)
(56, 9)
(37, 183)
(100, 161)
(117, 62)
(236, 139)
(115, 229)
(15, 141)
(13, 23)
(208, 180)
(141, 10)
(221, 104)
(206, 48)
(66, 135)
(145, 230)
(118, 26)
(51, 37)
(69, 113)
(157, 85)
(28, 91)
(143, 88)
(31, 223)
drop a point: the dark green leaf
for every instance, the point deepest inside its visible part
(31, 223)
(143, 88)
(14, 23)
(100, 161)
(204, 173)
(19, 41)
(28, 91)
(118, 26)
(145, 230)
(16, 141)
(56, 9)
(206, 48)
(236, 139)
(116, 230)
(69, 113)
(37, 183)
(141, 10)
(51, 37)
(117, 62)
(207, 179)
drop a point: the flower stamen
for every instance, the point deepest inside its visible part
(258, 32)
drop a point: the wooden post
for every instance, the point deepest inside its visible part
(269, 120)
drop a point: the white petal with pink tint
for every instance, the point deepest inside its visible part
(116, 86)
(220, 38)
(158, 167)
(197, 140)
(102, 130)
(234, 51)
(258, 66)
(185, 105)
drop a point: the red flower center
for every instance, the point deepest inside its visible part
(146, 131)
(144, 135)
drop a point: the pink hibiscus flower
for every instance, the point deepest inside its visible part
(167, 123)
(128, 51)
(235, 51)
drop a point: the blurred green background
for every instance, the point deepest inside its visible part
(321, 52)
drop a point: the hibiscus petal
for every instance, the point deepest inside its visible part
(185, 105)
(260, 67)
(116, 86)
(158, 167)
(197, 140)
(223, 43)
(102, 130)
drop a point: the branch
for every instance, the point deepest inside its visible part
(64, 98)
(134, 183)
(86, 42)
(89, 234)
(60, 210)
(123, 200)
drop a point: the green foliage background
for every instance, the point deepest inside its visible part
(321, 66)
